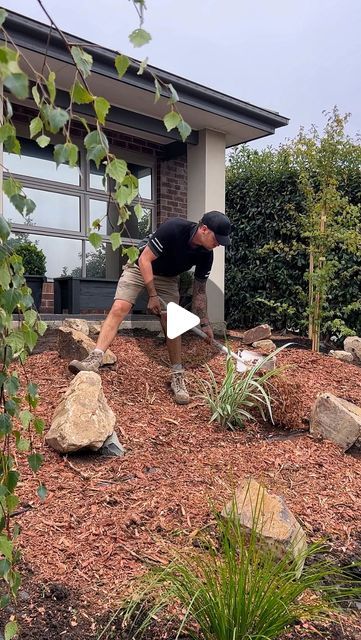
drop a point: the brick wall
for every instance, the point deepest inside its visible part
(172, 188)
(47, 298)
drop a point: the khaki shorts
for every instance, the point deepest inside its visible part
(131, 284)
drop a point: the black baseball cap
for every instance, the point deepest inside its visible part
(220, 225)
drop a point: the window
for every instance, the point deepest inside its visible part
(68, 201)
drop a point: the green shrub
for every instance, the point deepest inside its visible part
(234, 588)
(239, 397)
(34, 260)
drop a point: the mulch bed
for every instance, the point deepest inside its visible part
(105, 521)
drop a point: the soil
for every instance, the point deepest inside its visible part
(107, 520)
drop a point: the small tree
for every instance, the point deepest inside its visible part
(330, 221)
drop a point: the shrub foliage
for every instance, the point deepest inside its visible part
(267, 263)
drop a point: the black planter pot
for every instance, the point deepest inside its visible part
(35, 283)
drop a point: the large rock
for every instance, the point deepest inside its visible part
(352, 344)
(264, 346)
(77, 324)
(94, 328)
(344, 356)
(276, 526)
(75, 345)
(83, 417)
(261, 332)
(336, 420)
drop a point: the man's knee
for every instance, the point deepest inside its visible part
(120, 308)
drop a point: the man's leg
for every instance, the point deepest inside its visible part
(174, 347)
(108, 332)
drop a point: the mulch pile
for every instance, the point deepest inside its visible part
(105, 521)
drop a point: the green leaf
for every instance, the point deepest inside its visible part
(5, 275)
(117, 169)
(4, 229)
(55, 117)
(32, 390)
(80, 95)
(7, 130)
(4, 600)
(10, 299)
(121, 64)
(95, 240)
(5, 424)
(11, 629)
(41, 327)
(43, 141)
(42, 492)
(173, 94)
(11, 502)
(15, 340)
(12, 385)
(22, 203)
(116, 240)
(39, 425)
(3, 15)
(171, 120)
(142, 67)
(138, 210)
(18, 84)
(131, 252)
(6, 548)
(12, 407)
(36, 125)
(5, 567)
(12, 145)
(23, 444)
(139, 37)
(12, 480)
(97, 146)
(30, 317)
(25, 417)
(30, 337)
(50, 83)
(36, 95)
(11, 187)
(158, 89)
(61, 154)
(73, 154)
(184, 129)
(35, 461)
(82, 60)
(101, 107)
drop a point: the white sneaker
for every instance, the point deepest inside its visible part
(178, 386)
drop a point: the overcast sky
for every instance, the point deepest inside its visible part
(297, 57)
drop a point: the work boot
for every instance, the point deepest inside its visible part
(178, 386)
(91, 363)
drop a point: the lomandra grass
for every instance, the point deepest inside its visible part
(234, 588)
(239, 397)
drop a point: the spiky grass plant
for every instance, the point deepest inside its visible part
(236, 589)
(239, 396)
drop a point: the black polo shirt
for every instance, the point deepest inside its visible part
(170, 243)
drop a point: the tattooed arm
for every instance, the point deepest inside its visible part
(199, 306)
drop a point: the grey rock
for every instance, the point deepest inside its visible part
(352, 344)
(112, 447)
(75, 345)
(344, 356)
(264, 346)
(261, 332)
(77, 324)
(335, 419)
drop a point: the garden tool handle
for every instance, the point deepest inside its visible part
(204, 336)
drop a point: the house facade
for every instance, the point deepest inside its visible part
(175, 178)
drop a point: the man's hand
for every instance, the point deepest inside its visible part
(209, 332)
(154, 305)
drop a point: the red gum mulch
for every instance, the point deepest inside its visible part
(105, 520)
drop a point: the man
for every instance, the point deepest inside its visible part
(175, 247)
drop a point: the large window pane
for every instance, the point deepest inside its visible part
(144, 175)
(39, 163)
(63, 255)
(54, 210)
(138, 229)
(103, 262)
(97, 211)
(96, 176)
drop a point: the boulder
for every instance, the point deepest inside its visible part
(83, 417)
(264, 346)
(94, 328)
(261, 332)
(75, 345)
(77, 324)
(345, 356)
(112, 447)
(352, 344)
(335, 419)
(276, 526)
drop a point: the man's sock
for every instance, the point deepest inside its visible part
(98, 351)
(176, 367)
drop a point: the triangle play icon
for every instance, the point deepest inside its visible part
(179, 320)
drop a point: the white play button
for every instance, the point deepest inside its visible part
(179, 320)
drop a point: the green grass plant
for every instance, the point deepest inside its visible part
(233, 588)
(239, 397)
